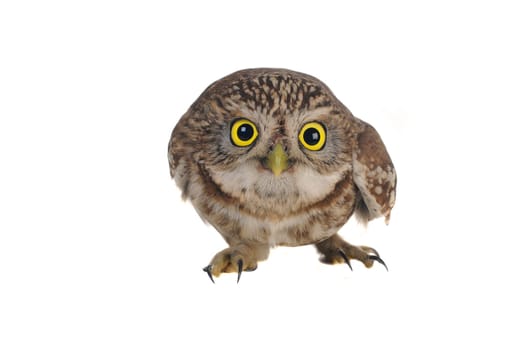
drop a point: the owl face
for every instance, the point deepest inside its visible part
(260, 149)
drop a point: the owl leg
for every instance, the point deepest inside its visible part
(237, 258)
(335, 250)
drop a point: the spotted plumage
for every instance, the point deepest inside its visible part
(270, 157)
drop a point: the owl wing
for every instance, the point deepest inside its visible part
(374, 175)
(181, 150)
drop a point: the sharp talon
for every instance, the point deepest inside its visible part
(370, 250)
(240, 268)
(346, 260)
(378, 259)
(207, 270)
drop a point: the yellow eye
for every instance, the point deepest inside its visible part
(313, 136)
(243, 132)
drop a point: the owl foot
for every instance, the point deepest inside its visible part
(335, 250)
(233, 259)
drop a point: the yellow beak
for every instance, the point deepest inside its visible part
(277, 160)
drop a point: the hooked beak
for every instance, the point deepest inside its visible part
(277, 160)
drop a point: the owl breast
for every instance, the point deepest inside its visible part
(301, 206)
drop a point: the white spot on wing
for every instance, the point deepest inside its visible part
(365, 178)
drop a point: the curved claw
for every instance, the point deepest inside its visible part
(346, 260)
(370, 250)
(240, 269)
(208, 269)
(378, 259)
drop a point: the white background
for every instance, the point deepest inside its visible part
(97, 251)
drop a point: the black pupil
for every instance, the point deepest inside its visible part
(245, 132)
(311, 136)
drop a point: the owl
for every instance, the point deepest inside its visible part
(270, 157)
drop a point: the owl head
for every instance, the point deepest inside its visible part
(274, 140)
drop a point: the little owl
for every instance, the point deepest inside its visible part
(270, 157)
